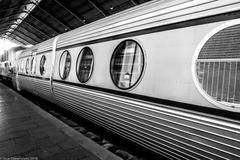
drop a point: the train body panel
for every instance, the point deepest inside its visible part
(174, 132)
(167, 73)
(136, 74)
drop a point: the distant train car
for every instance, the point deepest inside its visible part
(164, 75)
(8, 62)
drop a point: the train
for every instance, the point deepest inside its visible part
(164, 75)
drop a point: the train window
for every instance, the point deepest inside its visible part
(22, 66)
(43, 65)
(217, 66)
(27, 66)
(64, 65)
(84, 65)
(127, 64)
(19, 65)
(33, 66)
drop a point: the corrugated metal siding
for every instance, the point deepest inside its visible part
(172, 133)
(37, 86)
(45, 46)
(42, 87)
(152, 14)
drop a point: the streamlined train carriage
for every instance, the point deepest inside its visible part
(8, 62)
(165, 75)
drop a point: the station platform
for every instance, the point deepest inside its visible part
(28, 132)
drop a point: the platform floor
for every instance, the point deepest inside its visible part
(28, 132)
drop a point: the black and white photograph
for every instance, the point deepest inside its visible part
(119, 79)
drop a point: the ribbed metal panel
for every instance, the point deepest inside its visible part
(42, 88)
(170, 132)
(152, 14)
(45, 46)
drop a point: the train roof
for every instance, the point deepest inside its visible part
(39, 48)
(34, 21)
(44, 46)
(148, 15)
(17, 48)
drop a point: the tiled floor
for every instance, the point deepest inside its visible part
(27, 131)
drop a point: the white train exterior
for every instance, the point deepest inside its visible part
(8, 62)
(175, 99)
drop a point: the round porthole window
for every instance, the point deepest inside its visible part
(216, 66)
(64, 65)
(84, 65)
(22, 65)
(127, 64)
(27, 66)
(43, 65)
(33, 66)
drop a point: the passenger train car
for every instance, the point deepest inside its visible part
(165, 75)
(8, 62)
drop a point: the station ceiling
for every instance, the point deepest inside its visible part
(33, 21)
